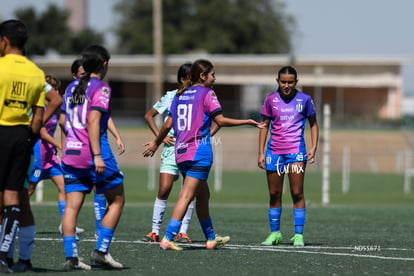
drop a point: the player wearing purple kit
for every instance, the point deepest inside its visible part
(193, 110)
(87, 159)
(285, 112)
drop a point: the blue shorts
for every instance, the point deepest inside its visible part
(83, 180)
(197, 169)
(168, 164)
(280, 163)
(37, 174)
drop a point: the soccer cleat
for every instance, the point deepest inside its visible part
(78, 229)
(104, 260)
(22, 266)
(183, 238)
(211, 244)
(4, 268)
(273, 239)
(169, 245)
(151, 237)
(298, 240)
(74, 263)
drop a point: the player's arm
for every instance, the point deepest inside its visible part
(62, 118)
(262, 143)
(48, 138)
(94, 140)
(152, 146)
(314, 128)
(149, 118)
(113, 129)
(54, 102)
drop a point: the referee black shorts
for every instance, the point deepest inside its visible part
(15, 151)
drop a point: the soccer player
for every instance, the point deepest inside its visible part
(191, 114)
(168, 168)
(87, 159)
(98, 199)
(285, 112)
(22, 86)
(48, 167)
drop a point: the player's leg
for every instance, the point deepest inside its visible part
(296, 180)
(26, 234)
(275, 176)
(160, 204)
(109, 183)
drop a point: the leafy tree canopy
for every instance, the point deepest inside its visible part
(215, 26)
(48, 31)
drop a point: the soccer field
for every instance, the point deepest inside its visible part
(366, 232)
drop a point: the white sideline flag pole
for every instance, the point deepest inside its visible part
(326, 153)
(345, 169)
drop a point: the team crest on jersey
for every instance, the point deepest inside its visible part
(299, 107)
(105, 90)
(213, 94)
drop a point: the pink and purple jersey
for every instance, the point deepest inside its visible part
(192, 113)
(77, 152)
(47, 150)
(287, 121)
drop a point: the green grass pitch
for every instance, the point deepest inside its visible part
(365, 232)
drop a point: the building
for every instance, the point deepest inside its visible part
(355, 87)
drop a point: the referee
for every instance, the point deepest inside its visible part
(22, 100)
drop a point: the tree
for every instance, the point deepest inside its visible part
(216, 26)
(48, 32)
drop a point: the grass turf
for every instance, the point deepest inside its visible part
(365, 232)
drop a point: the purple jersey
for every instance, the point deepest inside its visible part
(47, 150)
(77, 152)
(192, 114)
(287, 121)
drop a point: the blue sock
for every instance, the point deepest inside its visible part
(274, 218)
(172, 229)
(26, 241)
(71, 249)
(299, 216)
(61, 206)
(104, 241)
(208, 230)
(99, 209)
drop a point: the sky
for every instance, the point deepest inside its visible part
(323, 27)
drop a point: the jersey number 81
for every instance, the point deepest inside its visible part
(184, 116)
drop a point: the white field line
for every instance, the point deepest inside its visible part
(288, 249)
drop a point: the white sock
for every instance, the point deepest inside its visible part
(158, 214)
(187, 217)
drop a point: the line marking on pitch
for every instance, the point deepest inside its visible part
(285, 249)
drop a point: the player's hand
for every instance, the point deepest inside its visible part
(99, 164)
(169, 140)
(121, 146)
(261, 161)
(310, 156)
(150, 150)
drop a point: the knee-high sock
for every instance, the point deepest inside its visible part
(10, 225)
(99, 207)
(172, 229)
(299, 217)
(274, 218)
(187, 217)
(104, 241)
(158, 214)
(208, 229)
